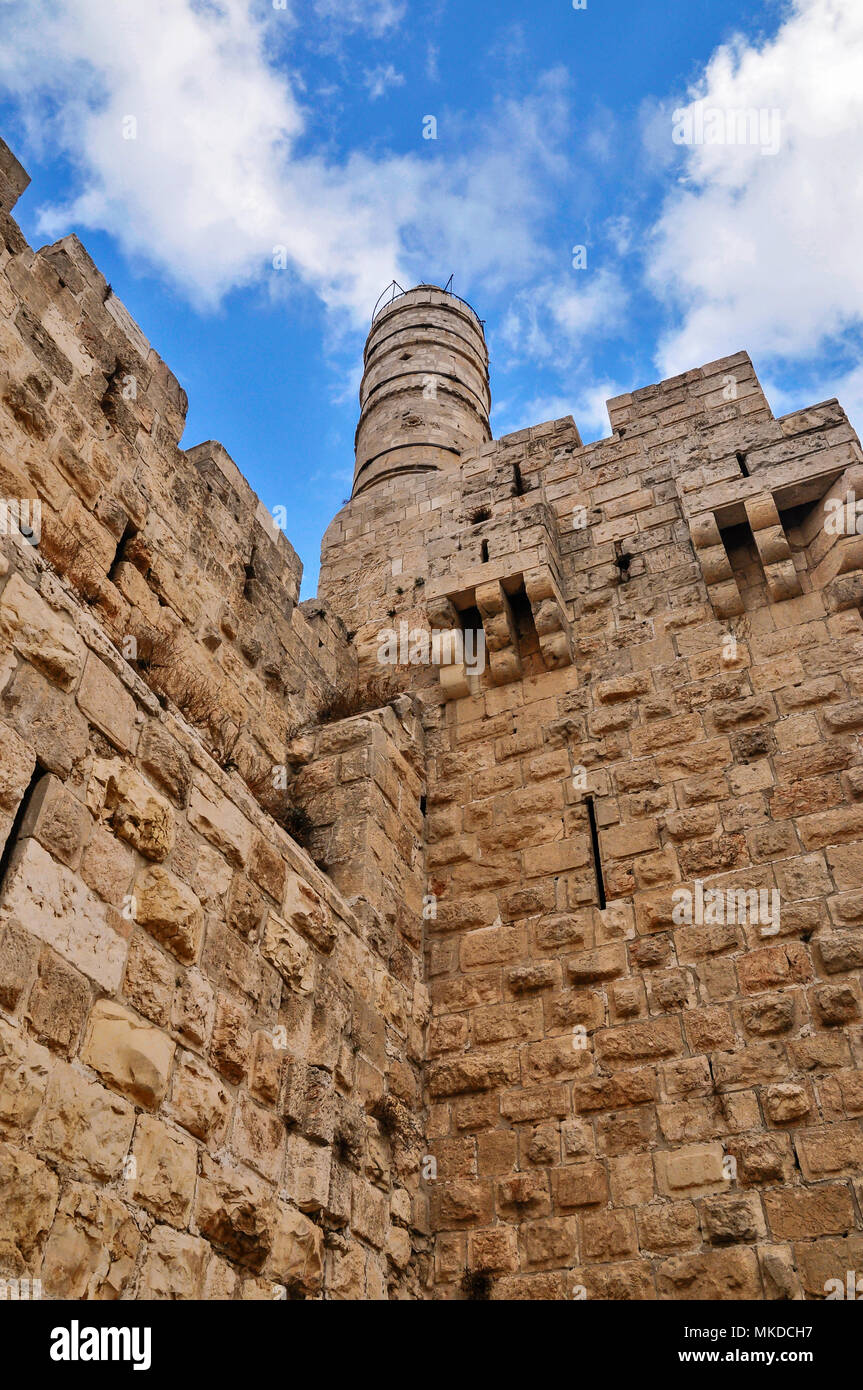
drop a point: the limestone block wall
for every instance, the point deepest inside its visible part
(210, 1056)
(203, 1046)
(471, 1048)
(362, 783)
(169, 548)
(621, 1104)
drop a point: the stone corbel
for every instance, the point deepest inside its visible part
(550, 620)
(446, 632)
(501, 638)
(836, 551)
(783, 581)
(722, 587)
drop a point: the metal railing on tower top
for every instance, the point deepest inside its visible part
(395, 291)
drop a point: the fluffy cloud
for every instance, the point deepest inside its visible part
(760, 250)
(377, 16)
(555, 318)
(379, 80)
(212, 187)
(591, 409)
(597, 308)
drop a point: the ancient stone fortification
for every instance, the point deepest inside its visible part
(462, 1044)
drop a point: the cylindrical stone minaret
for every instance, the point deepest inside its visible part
(424, 398)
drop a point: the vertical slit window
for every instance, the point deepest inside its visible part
(594, 846)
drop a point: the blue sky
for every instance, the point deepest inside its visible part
(249, 175)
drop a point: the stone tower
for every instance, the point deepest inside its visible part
(425, 395)
(538, 981)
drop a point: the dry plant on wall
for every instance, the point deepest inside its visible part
(69, 555)
(276, 803)
(362, 699)
(166, 662)
(477, 1286)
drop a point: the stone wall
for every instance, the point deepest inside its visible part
(209, 1055)
(401, 1003)
(623, 1105)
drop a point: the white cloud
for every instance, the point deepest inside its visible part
(553, 319)
(377, 16)
(620, 233)
(521, 331)
(483, 211)
(591, 411)
(379, 80)
(595, 307)
(212, 186)
(657, 151)
(848, 389)
(761, 250)
(511, 416)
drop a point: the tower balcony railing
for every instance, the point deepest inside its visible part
(395, 291)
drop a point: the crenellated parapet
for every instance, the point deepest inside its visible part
(168, 546)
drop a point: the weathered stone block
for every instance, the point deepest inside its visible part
(43, 637)
(171, 911)
(83, 1124)
(161, 756)
(132, 1056)
(59, 1003)
(149, 981)
(230, 1045)
(107, 703)
(165, 1169)
(307, 1174)
(199, 1101)
(174, 1265)
(715, 1274)
(233, 1209)
(258, 1138)
(24, 1071)
(19, 952)
(58, 821)
(307, 913)
(28, 1199)
(139, 815)
(49, 901)
(219, 821)
(92, 1247)
(794, 1213)
(297, 1251)
(290, 954)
